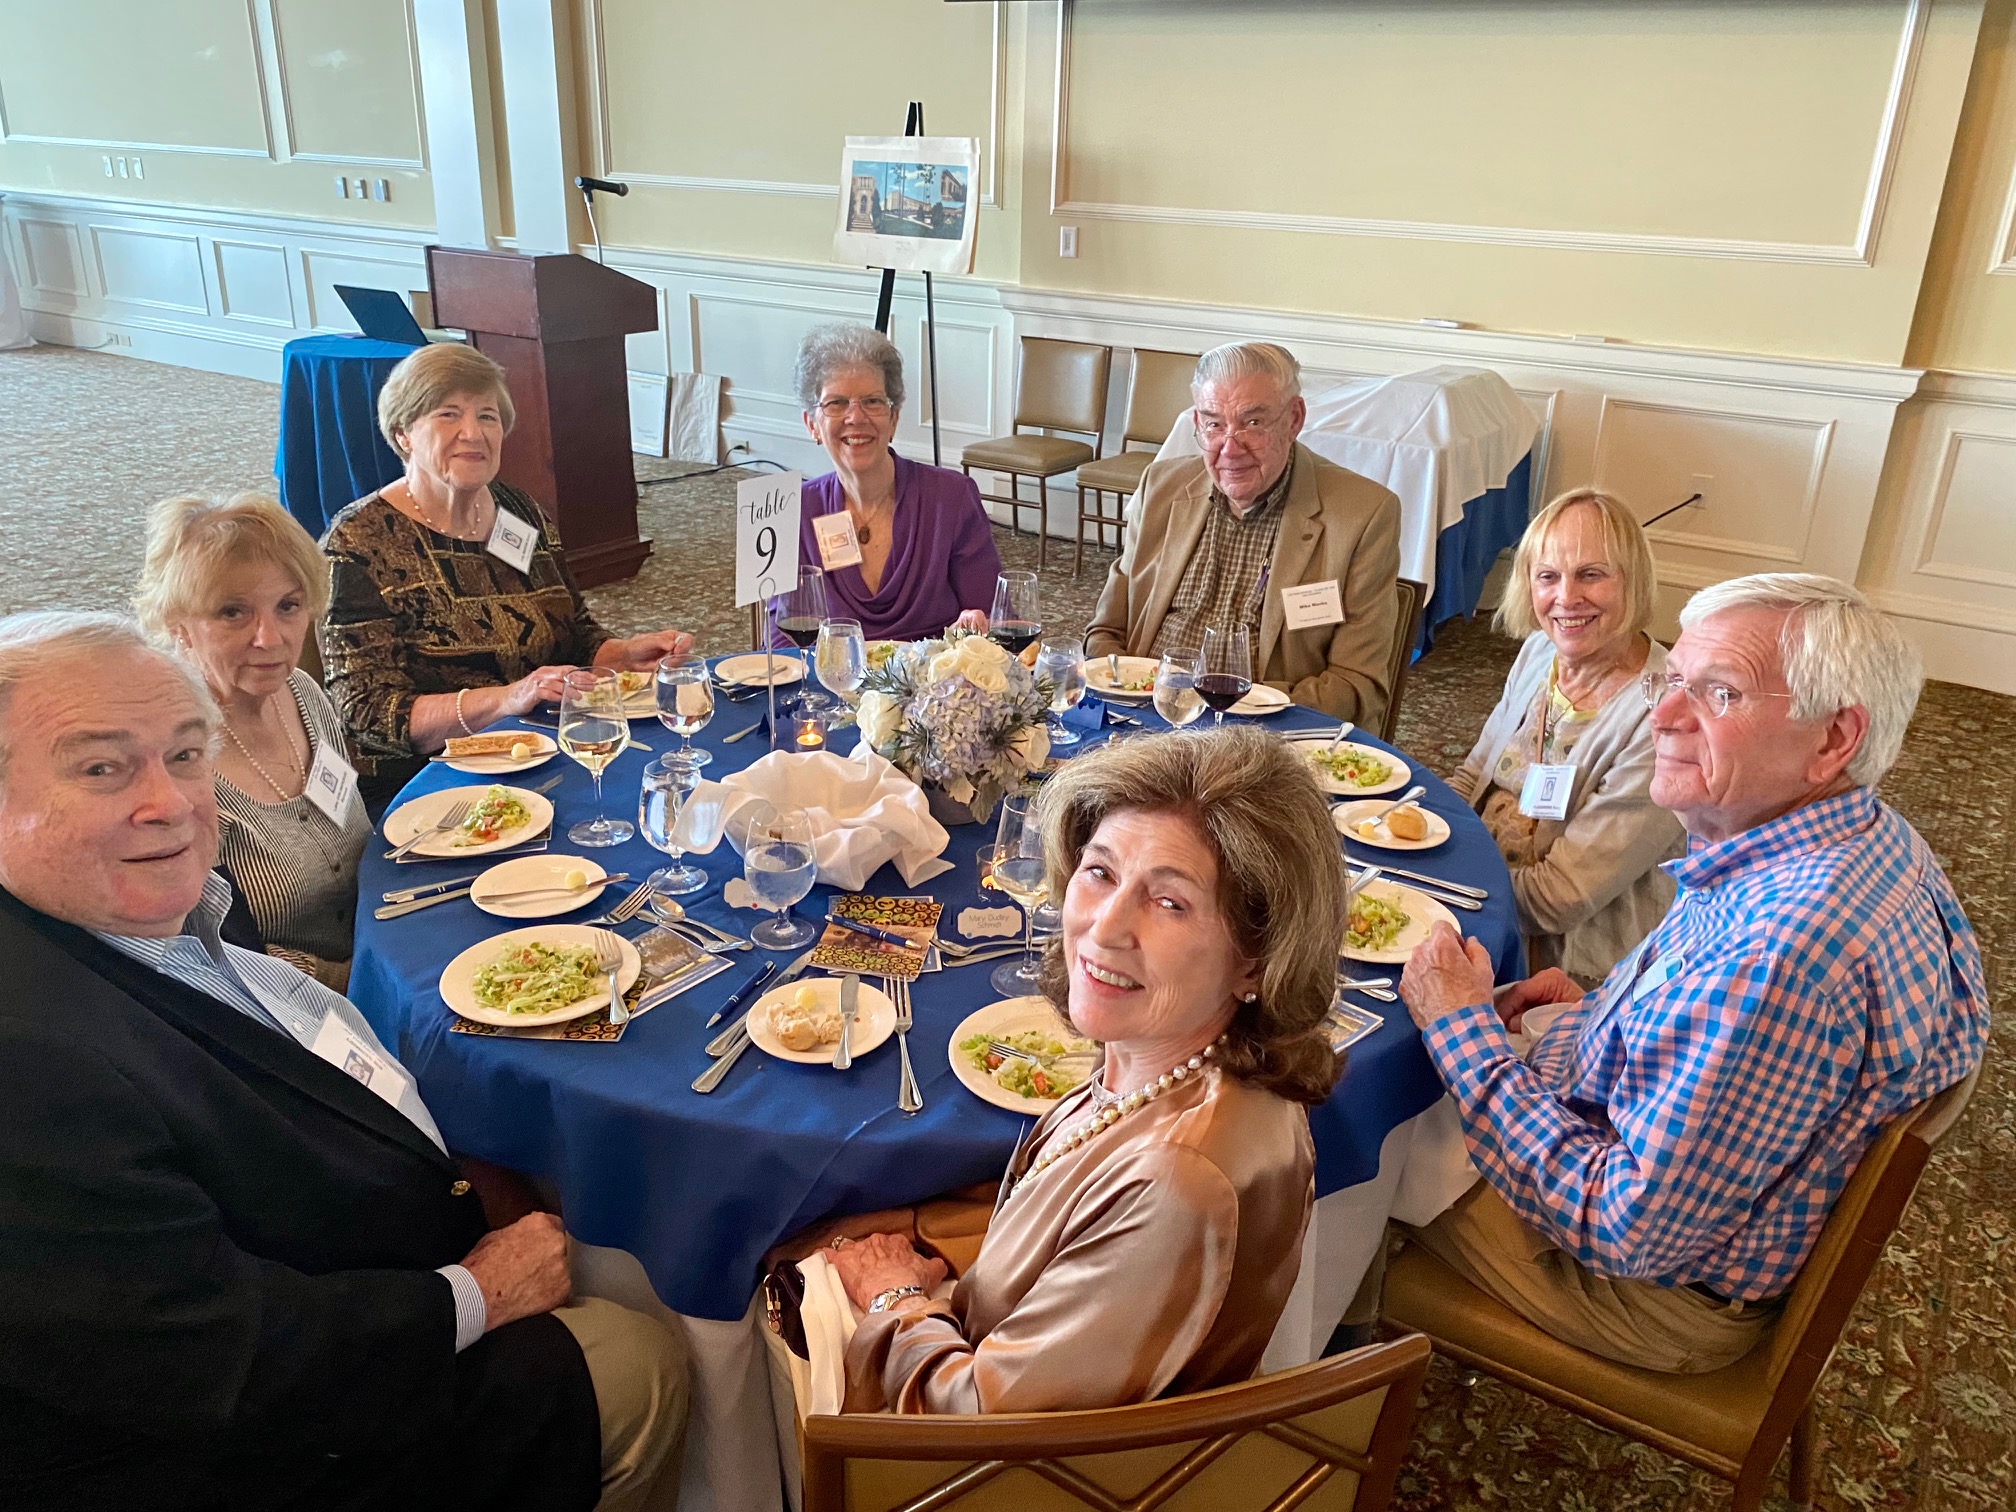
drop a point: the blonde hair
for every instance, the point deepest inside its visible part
(434, 373)
(191, 539)
(1624, 544)
(1281, 885)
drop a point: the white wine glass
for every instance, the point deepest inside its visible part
(800, 611)
(1015, 621)
(594, 730)
(778, 865)
(1228, 669)
(1019, 872)
(1062, 663)
(685, 691)
(668, 782)
(1176, 697)
(841, 658)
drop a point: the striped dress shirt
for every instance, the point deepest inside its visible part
(291, 1003)
(1693, 1120)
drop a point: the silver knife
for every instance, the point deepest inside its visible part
(709, 1079)
(414, 905)
(408, 894)
(720, 1044)
(850, 990)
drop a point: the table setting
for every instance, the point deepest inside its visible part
(741, 1078)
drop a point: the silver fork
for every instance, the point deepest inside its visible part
(625, 911)
(454, 815)
(609, 960)
(908, 1097)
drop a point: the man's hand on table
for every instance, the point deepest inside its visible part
(1445, 973)
(1550, 986)
(868, 1267)
(522, 1269)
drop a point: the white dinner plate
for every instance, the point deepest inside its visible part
(409, 819)
(1422, 911)
(1099, 678)
(1396, 779)
(523, 873)
(874, 1021)
(754, 671)
(1017, 1015)
(1346, 816)
(544, 749)
(458, 977)
(640, 701)
(1261, 699)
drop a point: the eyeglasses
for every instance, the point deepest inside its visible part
(1247, 428)
(875, 407)
(1713, 698)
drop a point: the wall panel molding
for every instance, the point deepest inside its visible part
(280, 107)
(1859, 251)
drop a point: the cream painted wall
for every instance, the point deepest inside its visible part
(229, 104)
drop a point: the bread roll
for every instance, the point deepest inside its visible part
(1407, 823)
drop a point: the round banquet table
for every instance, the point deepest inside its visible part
(697, 1188)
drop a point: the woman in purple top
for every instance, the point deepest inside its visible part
(927, 551)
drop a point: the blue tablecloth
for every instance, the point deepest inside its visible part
(699, 1187)
(1465, 551)
(330, 452)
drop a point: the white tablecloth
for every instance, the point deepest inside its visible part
(1437, 438)
(740, 1455)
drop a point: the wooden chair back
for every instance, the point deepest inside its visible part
(1062, 386)
(1159, 393)
(1326, 1436)
(1400, 661)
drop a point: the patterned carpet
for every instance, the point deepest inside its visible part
(1918, 1409)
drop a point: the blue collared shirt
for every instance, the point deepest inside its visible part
(288, 1002)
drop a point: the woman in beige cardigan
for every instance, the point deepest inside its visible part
(1588, 885)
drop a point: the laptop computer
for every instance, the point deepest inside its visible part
(381, 315)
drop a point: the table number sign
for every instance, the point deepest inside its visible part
(512, 540)
(766, 536)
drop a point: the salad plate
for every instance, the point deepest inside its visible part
(1029, 1023)
(524, 873)
(640, 694)
(1397, 919)
(539, 749)
(547, 973)
(1261, 700)
(754, 670)
(874, 1020)
(1351, 770)
(499, 818)
(1137, 678)
(1350, 821)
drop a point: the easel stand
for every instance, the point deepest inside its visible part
(913, 125)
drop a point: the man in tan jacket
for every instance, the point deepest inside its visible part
(1260, 531)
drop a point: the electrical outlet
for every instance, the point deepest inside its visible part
(1704, 486)
(118, 339)
(1067, 241)
(361, 189)
(739, 446)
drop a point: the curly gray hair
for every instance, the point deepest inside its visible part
(830, 347)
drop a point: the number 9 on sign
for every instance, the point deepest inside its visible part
(766, 534)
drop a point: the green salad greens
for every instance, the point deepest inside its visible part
(1350, 766)
(533, 977)
(1048, 1078)
(1375, 923)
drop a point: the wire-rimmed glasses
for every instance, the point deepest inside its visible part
(1714, 699)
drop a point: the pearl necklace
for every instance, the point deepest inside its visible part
(293, 763)
(1109, 1108)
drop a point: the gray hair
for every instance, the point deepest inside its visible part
(33, 645)
(1838, 651)
(828, 347)
(1247, 359)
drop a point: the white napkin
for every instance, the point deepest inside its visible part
(863, 812)
(830, 1318)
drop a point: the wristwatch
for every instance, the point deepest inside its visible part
(883, 1301)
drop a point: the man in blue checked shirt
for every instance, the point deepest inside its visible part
(1659, 1164)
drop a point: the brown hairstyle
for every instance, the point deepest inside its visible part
(1623, 540)
(1281, 888)
(191, 539)
(434, 373)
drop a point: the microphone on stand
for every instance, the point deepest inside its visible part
(588, 188)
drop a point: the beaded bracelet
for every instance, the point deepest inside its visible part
(460, 694)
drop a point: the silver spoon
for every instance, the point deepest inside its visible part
(669, 910)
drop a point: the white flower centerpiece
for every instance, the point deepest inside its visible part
(960, 717)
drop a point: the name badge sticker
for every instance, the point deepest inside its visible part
(512, 540)
(1655, 976)
(1311, 605)
(838, 545)
(355, 1057)
(1545, 795)
(332, 782)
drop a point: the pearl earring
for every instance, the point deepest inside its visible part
(1251, 997)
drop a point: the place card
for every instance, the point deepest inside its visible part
(841, 949)
(737, 893)
(1349, 1024)
(990, 923)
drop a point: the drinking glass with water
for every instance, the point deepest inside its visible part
(1019, 872)
(777, 864)
(1176, 697)
(1061, 663)
(685, 691)
(667, 783)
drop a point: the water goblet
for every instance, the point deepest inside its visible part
(668, 782)
(1176, 696)
(594, 730)
(1062, 663)
(778, 865)
(685, 691)
(1019, 872)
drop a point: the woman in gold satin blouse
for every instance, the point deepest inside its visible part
(1150, 1226)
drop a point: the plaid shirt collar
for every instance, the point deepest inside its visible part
(1269, 500)
(1806, 828)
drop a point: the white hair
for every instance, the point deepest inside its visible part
(828, 348)
(1838, 651)
(34, 645)
(1247, 359)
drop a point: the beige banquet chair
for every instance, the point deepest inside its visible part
(1406, 629)
(1061, 385)
(1730, 1422)
(1327, 1437)
(1158, 392)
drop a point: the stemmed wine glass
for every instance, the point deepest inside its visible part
(667, 783)
(1062, 662)
(1019, 872)
(1015, 620)
(594, 731)
(778, 865)
(1228, 669)
(841, 659)
(799, 612)
(1176, 696)
(686, 703)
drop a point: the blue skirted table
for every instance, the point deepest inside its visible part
(1464, 552)
(330, 451)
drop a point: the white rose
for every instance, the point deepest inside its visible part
(1030, 747)
(974, 658)
(879, 717)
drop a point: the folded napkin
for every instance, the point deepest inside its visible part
(830, 1318)
(863, 812)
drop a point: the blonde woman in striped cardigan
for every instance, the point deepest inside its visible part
(234, 585)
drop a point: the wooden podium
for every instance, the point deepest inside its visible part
(557, 325)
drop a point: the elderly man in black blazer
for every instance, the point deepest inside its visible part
(238, 1268)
